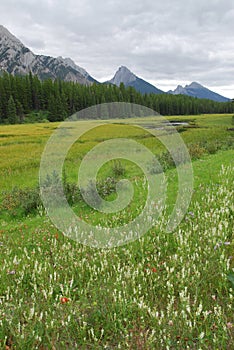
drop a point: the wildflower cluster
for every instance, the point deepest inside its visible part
(164, 291)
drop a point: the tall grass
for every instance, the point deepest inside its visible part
(165, 291)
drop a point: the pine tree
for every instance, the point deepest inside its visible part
(52, 109)
(19, 111)
(11, 111)
(21, 95)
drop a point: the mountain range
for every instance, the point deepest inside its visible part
(199, 91)
(17, 59)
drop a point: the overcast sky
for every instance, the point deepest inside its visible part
(166, 42)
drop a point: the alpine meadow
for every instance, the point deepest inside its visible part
(116, 182)
(163, 291)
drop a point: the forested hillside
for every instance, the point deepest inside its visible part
(22, 95)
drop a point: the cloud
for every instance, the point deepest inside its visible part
(181, 40)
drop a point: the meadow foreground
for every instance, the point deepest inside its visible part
(163, 291)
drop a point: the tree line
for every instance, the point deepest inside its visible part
(21, 95)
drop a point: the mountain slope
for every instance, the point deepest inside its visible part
(15, 58)
(124, 75)
(199, 91)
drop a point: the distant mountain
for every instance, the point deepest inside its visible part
(15, 59)
(124, 75)
(199, 91)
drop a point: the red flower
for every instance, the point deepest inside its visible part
(154, 269)
(64, 300)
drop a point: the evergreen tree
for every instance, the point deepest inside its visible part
(20, 95)
(11, 111)
(19, 111)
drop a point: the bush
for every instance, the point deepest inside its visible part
(21, 201)
(161, 163)
(196, 150)
(103, 188)
(72, 192)
(107, 186)
(91, 194)
(212, 147)
(36, 117)
(117, 168)
(166, 161)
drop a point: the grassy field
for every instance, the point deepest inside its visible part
(21, 146)
(163, 291)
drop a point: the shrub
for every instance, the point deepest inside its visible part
(211, 147)
(91, 195)
(72, 193)
(107, 186)
(196, 150)
(71, 190)
(102, 188)
(166, 161)
(163, 162)
(21, 201)
(118, 168)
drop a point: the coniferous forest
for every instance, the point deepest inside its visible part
(56, 100)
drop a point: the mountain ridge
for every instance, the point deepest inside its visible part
(199, 91)
(128, 78)
(15, 58)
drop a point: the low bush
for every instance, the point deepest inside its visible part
(196, 150)
(118, 168)
(21, 201)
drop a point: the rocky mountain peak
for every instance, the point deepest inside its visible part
(8, 40)
(128, 78)
(123, 75)
(15, 58)
(194, 85)
(197, 90)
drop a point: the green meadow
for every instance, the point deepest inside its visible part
(166, 290)
(22, 145)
